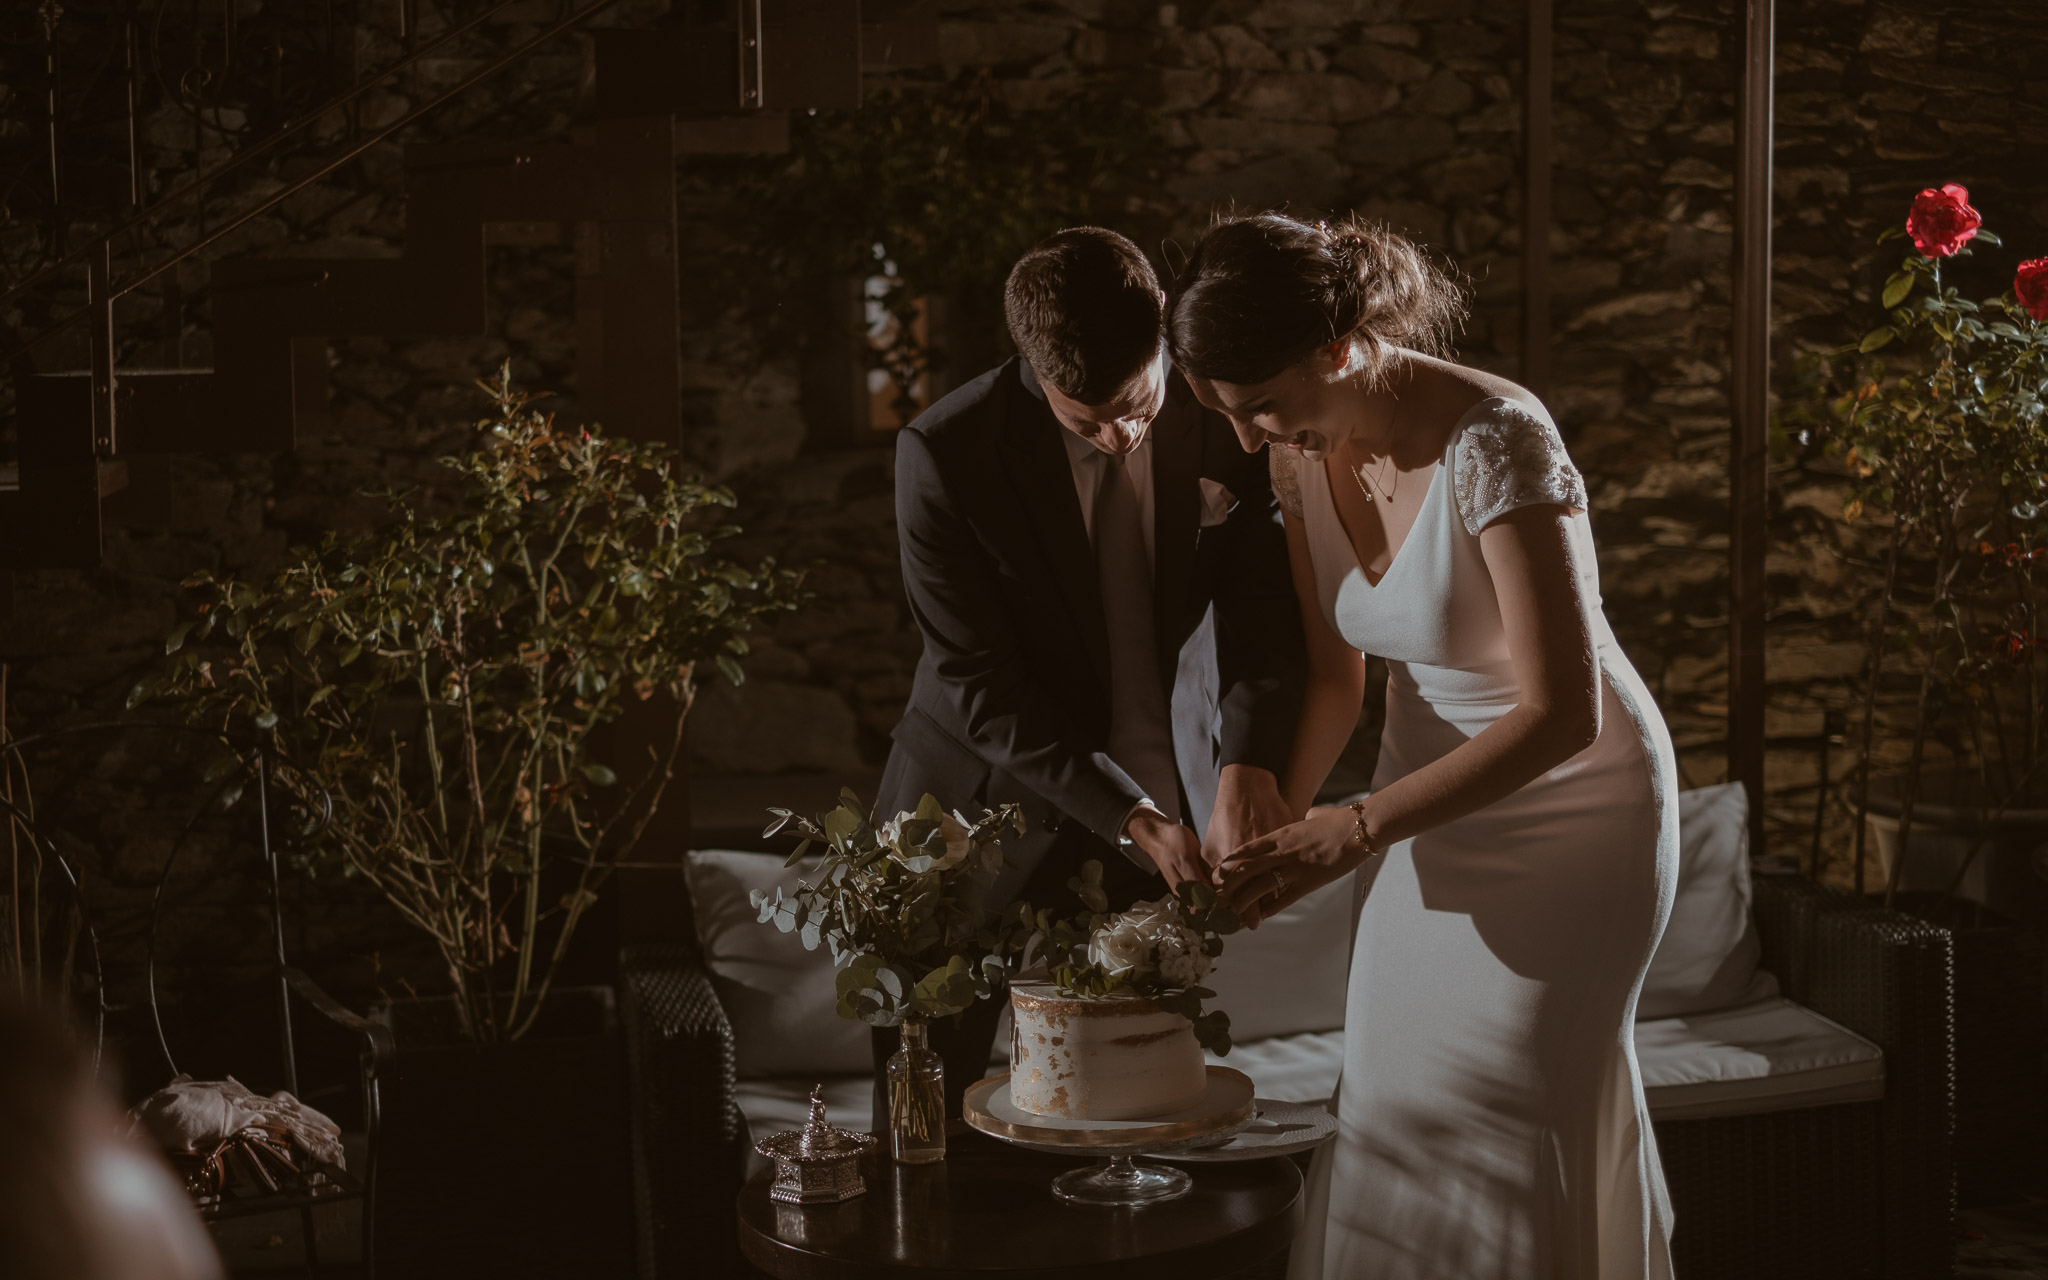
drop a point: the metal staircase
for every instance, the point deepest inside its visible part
(718, 82)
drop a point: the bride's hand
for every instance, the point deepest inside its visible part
(1265, 876)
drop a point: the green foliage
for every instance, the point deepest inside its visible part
(901, 906)
(1065, 945)
(442, 683)
(1942, 438)
(941, 186)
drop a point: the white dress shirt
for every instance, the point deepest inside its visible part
(1087, 463)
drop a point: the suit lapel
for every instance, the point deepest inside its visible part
(1037, 461)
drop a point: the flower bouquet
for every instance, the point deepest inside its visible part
(901, 904)
(1159, 951)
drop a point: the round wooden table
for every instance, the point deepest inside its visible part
(988, 1208)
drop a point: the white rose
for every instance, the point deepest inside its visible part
(1127, 945)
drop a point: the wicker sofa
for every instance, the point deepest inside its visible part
(1829, 1156)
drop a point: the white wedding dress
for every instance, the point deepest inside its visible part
(1491, 1123)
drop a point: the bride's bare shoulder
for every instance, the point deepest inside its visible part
(1457, 387)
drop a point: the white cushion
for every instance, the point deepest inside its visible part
(1709, 953)
(1288, 975)
(778, 996)
(1771, 1055)
(1299, 1068)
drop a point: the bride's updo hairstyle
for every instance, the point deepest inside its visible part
(1261, 292)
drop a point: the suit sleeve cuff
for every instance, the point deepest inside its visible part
(1255, 728)
(1129, 847)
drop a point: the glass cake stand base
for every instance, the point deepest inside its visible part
(1121, 1180)
(1226, 1108)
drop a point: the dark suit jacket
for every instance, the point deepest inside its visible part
(1011, 698)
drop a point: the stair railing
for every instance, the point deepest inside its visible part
(261, 147)
(98, 255)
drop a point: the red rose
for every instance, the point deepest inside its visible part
(2031, 286)
(1942, 222)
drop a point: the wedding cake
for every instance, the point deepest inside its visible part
(1116, 1057)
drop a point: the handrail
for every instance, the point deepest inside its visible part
(312, 116)
(278, 197)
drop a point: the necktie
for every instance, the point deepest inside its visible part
(1140, 724)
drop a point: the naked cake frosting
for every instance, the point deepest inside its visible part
(1115, 1057)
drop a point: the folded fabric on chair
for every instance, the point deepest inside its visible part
(194, 1117)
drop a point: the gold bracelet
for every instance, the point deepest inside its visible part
(1358, 832)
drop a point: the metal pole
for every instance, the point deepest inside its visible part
(1750, 357)
(52, 13)
(100, 300)
(1536, 130)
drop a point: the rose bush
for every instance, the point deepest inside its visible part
(1941, 220)
(2030, 286)
(1943, 439)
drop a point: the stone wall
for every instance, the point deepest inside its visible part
(1409, 110)
(1405, 109)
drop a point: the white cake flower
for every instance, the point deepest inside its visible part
(1182, 961)
(1150, 938)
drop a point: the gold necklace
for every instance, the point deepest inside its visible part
(1378, 489)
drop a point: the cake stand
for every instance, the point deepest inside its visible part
(1225, 1107)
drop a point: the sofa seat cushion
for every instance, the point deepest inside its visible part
(1297, 1068)
(1770, 1055)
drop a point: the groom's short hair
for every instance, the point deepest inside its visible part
(1084, 309)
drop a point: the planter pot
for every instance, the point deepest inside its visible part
(1947, 825)
(2001, 1035)
(507, 1160)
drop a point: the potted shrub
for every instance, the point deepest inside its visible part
(441, 689)
(1940, 417)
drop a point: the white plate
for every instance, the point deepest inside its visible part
(1278, 1129)
(1225, 1107)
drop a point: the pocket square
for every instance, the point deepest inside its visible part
(1217, 502)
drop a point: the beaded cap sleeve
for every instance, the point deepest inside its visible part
(1512, 458)
(1286, 473)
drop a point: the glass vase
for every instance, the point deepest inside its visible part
(917, 1099)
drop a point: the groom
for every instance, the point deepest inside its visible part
(1111, 637)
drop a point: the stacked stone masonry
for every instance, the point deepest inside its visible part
(1408, 110)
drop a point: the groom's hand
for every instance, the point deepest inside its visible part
(1248, 805)
(1173, 848)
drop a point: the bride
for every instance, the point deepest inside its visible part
(1520, 842)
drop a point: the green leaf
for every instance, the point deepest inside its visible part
(599, 775)
(1895, 291)
(177, 637)
(1876, 338)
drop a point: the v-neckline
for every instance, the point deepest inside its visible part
(1395, 557)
